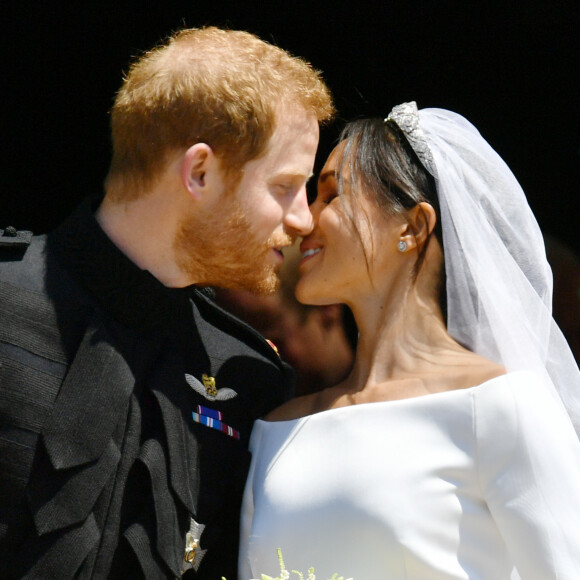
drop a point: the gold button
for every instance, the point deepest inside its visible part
(191, 544)
(190, 555)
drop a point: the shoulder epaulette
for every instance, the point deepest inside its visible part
(15, 239)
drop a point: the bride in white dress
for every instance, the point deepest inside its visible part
(451, 451)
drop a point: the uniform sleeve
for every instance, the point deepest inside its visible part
(529, 472)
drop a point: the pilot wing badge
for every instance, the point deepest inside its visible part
(208, 388)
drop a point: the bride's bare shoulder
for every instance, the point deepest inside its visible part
(294, 409)
(311, 404)
(478, 370)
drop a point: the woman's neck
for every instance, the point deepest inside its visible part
(400, 338)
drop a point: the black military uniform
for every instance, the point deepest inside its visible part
(125, 413)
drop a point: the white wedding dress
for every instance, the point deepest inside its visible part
(462, 484)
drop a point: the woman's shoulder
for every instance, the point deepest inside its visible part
(472, 371)
(293, 409)
(469, 370)
(304, 405)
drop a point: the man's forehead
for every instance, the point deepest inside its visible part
(291, 120)
(292, 152)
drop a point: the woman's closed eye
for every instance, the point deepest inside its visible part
(327, 188)
(329, 198)
(327, 193)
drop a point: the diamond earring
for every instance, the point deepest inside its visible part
(402, 246)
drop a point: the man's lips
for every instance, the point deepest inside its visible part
(278, 250)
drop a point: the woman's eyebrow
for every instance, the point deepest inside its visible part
(324, 176)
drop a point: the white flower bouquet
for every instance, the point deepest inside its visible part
(285, 574)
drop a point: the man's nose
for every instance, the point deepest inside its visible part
(298, 217)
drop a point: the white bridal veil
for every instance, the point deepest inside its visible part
(499, 283)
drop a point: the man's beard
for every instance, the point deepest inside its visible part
(221, 251)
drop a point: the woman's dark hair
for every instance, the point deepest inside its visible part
(382, 163)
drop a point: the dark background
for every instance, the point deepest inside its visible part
(510, 67)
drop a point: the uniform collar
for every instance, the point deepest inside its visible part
(134, 297)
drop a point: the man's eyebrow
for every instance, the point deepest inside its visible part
(293, 176)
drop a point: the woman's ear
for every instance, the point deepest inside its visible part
(421, 222)
(195, 164)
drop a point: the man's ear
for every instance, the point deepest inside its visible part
(194, 167)
(421, 222)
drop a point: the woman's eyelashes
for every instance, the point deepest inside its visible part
(327, 195)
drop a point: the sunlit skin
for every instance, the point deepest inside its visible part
(192, 227)
(404, 349)
(244, 231)
(343, 236)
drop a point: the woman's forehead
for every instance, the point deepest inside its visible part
(334, 164)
